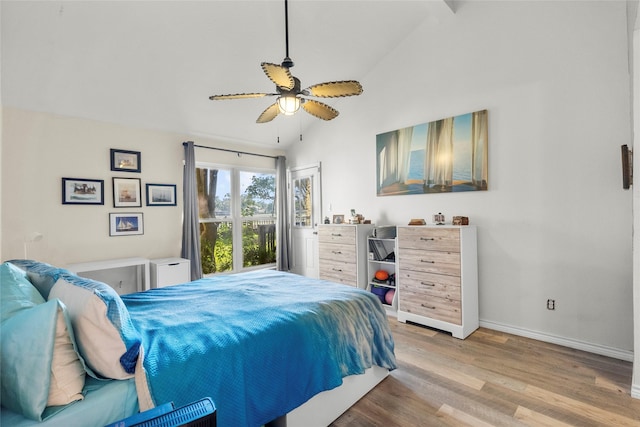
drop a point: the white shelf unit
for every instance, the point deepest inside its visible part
(169, 271)
(385, 247)
(125, 275)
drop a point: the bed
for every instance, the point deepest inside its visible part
(264, 345)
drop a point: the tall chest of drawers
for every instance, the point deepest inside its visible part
(438, 277)
(342, 252)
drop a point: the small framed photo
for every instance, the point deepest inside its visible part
(126, 193)
(125, 224)
(125, 161)
(79, 191)
(161, 194)
(338, 219)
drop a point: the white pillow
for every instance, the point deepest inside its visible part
(104, 333)
(67, 373)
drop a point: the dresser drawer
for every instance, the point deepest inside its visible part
(434, 308)
(338, 252)
(336, 271)
(429, 238)
(430, 261)
(337, 234)
(427, 285)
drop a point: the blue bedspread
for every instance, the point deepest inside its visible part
(259, 343)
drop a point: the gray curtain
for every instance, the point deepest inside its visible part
(190, 224)
(282, 228)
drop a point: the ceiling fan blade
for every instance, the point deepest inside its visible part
(320, 110)
(279, 75)
(335, 89)
(239, 96)
(269, 114)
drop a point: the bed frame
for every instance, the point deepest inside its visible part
(325, 407)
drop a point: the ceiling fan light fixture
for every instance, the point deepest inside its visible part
(288, 104)
(288, 89)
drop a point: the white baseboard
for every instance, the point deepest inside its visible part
(635, 391)
(566, 342)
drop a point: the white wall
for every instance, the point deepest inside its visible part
(555, 222)
(1, 132)
(635, 385)
(39, 149)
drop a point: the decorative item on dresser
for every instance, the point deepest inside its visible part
(438, 277)
(342, 253)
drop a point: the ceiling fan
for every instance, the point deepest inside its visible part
(290, 96)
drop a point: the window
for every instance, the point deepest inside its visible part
(237, 218)
(302, 191)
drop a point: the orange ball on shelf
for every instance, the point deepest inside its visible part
(381, 275)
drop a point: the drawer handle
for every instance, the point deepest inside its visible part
(336, 252)
(427, 284)
(336, 234)
(175, 263)
(337, 269)
(427, 261)
(427, 238)
(428, 306)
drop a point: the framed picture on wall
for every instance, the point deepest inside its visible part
(126, 193)
(161, 194)
(125, 160)
(80, 191)
(125, 224)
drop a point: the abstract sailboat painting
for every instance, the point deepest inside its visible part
(442, 156)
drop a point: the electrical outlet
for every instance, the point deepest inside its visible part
(551, 304)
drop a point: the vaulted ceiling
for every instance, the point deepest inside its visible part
(153, 64)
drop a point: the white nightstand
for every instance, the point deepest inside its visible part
(169, 271)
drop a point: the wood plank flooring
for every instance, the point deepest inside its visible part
(495, 379)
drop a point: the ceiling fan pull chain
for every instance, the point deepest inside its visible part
(300, 126)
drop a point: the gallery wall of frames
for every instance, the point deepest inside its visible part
(126, 193)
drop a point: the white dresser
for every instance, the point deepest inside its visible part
(169, 271)
(342, 253)
(438, 277)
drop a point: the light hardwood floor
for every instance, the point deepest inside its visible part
(495, 379)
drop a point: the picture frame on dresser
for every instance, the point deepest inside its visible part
(82, 191)
(161, 194)
(126, 193)
(125, 160)
(126, 224)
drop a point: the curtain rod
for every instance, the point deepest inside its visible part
(233, 151)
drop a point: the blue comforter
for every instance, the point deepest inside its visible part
(259, 344)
